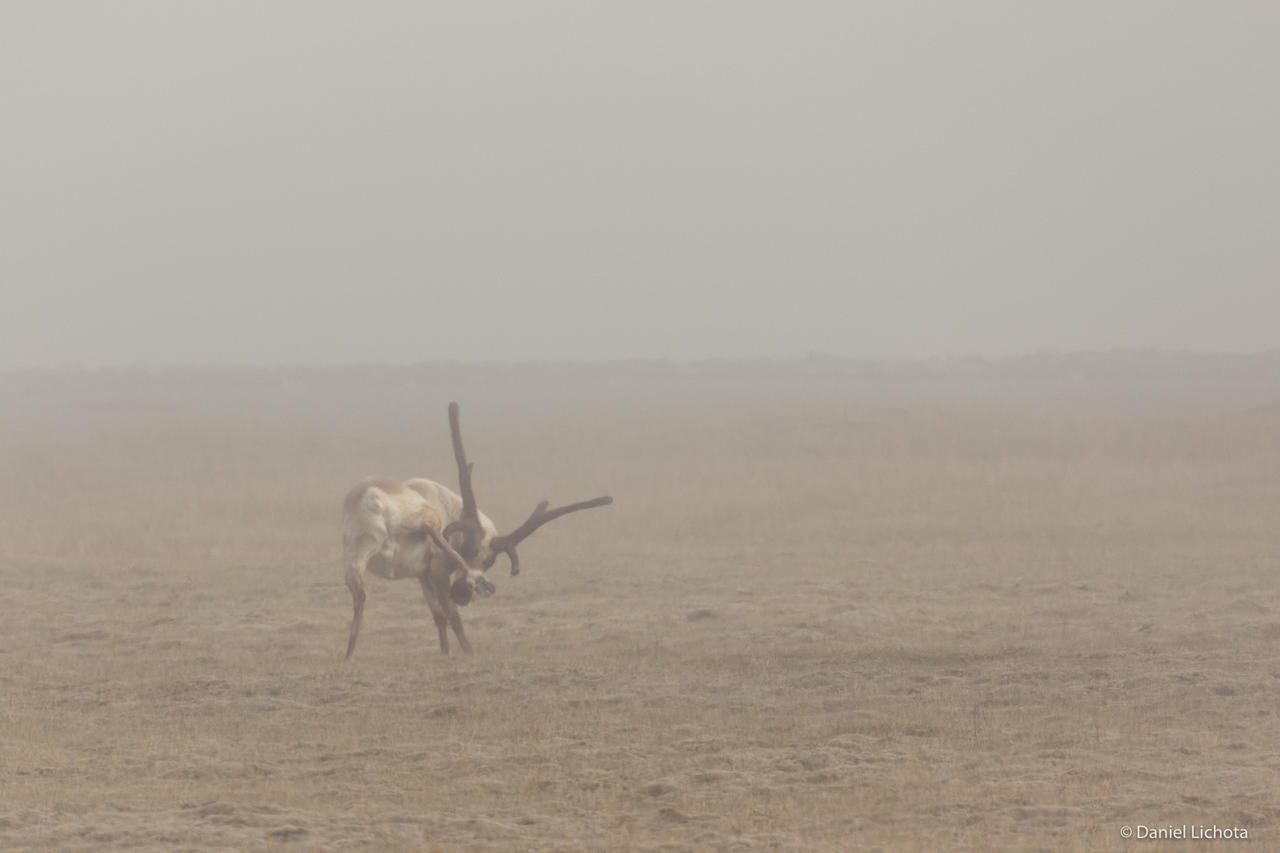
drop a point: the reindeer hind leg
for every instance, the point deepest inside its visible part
(357, 559)
(355, 583)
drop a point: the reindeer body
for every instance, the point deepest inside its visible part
(402, 529)
(395, 516)
(394, 532)
(448, 503)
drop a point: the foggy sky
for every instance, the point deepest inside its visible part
(317, 182)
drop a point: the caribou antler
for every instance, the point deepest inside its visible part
(540, 516)
(469, 524)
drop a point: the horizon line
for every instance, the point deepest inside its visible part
(812, 357)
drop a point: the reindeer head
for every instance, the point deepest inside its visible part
(480, 546)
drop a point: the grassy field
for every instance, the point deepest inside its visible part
(827, 611)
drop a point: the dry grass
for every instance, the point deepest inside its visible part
(930, 622)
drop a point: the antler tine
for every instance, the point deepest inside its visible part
(469, 510)
(540, 516)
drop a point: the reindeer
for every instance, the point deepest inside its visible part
(394, 532)
(390, 527)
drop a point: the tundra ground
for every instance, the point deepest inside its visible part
(875, 621)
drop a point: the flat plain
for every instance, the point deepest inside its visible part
(969, 607)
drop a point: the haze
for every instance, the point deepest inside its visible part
(398, 182)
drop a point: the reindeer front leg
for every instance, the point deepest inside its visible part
(437, 610)
(437, 580)
(451, 610)
(436, 583)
